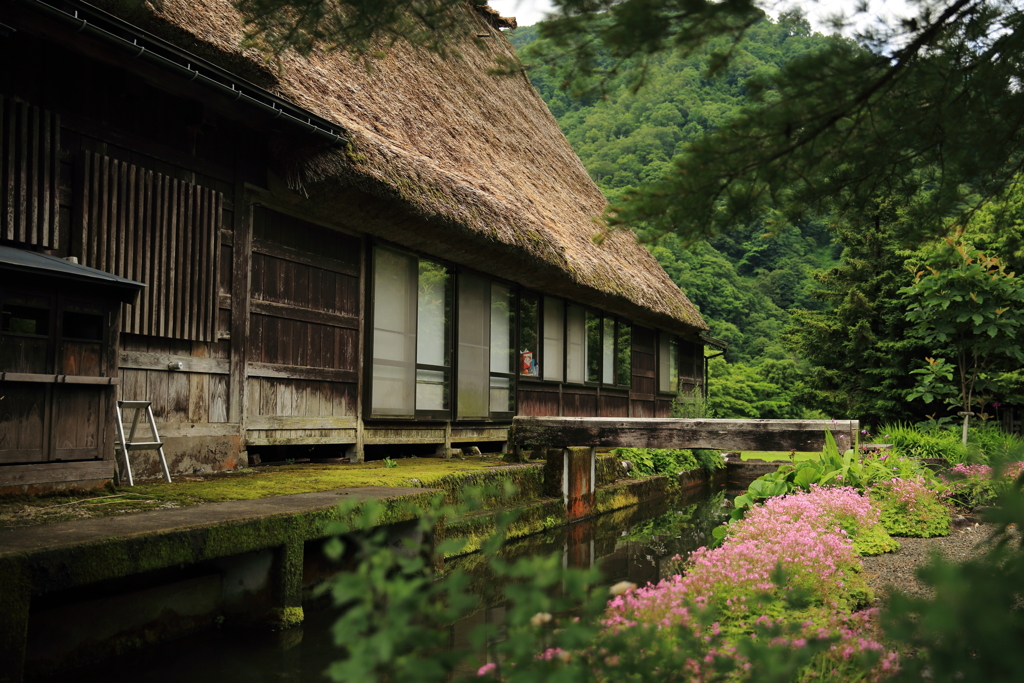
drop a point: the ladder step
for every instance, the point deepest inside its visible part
(144, 445)
(134, 404)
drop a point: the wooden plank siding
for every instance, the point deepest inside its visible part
(644, 380)
(302, 355)
(196, 394)
(155, 229)
(29, 175)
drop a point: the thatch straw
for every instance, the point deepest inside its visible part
(474, 166)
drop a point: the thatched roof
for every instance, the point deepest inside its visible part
(476, 164)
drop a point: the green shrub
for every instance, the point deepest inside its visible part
(911, 442)
(875, 541)
(911, 507)
(667, 461)
(994, 443)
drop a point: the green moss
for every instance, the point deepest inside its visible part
(281, 618)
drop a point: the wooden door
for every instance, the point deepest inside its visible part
(305, 311)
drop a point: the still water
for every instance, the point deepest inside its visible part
(636, 544)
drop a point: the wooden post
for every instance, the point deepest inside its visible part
(286, 585)
(578, 474)
(241, 256)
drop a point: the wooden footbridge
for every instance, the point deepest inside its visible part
(579, 438)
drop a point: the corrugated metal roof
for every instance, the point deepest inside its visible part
(42, 264)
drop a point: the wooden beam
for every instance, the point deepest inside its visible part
(20, 475)
(286, 422)
(138, 360)
(301, 372)
(739, 435)
(304, 314)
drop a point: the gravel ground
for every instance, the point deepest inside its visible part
(899, 568)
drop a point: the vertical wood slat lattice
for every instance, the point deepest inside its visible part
(29, 169)
(158, 230)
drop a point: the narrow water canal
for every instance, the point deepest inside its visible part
(636, 544)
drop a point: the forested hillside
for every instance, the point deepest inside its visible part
(834, 316)
(745, 283)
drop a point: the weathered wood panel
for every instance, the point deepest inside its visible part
(777, 435)
(270, 396)
(612, 405)
(579, 403)
(639, 408)
(78, 423)
(159, 230)
(21, 475)
(536, 401)
(23, 422)
(29, 175)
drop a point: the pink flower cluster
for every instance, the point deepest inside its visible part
(804, 532)
(908, 493)
(809, 536)
(1011, 471)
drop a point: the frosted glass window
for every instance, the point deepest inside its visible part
(431, 389)
(673, 364)
(501, 395)
(668, 363)
(474, 353)
(663, 364)
(554, 338)
(623, 355)
(593, 323)
(502, 318)
(529, 326)
(575, 344)
(434, 314)
(394, 333)
(608, 352)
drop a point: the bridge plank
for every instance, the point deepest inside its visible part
(735, 435)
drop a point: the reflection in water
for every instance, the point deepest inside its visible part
(636, 544)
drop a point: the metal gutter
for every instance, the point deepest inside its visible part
(143, 45)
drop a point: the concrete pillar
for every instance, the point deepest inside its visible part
(286, 586)
(15, 598)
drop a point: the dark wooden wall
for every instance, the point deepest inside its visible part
(154, 229)
(542, 399)
(29, 174)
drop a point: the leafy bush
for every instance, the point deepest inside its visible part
(910, 507)
(995, 444)
(910, 442)
(972, 486)
(651, 461)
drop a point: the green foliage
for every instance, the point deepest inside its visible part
(743, 391)
(389, 463)
(859, 355)
(396, 603)
(874, 541)
(910, 442)
(971, 629)
(911, 508)
(968, 305)
(666, 461)
(363, 28)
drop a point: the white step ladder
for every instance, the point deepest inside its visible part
(125, 446)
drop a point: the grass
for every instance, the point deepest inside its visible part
(777, 456)
(251, 484)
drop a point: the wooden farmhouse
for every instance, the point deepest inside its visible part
(335, 260)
